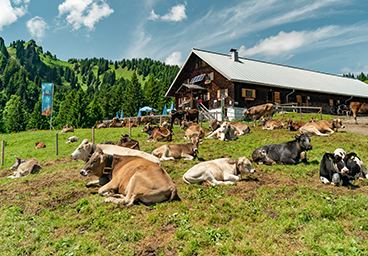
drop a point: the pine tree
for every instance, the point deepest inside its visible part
(78, 112)
(152, 92)
(37, 120)
(62, 117)
(3, 49)
(95, 112)
(14, 115)
(165, 100)
(133, 97)
(117, 100)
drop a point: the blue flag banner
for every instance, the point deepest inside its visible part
(46, 98)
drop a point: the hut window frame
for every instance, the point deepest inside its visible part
(248, 94)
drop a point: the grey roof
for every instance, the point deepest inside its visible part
(192, 86)
(263, 73)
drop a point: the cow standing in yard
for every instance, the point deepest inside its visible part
(292, 152)
(257, 111)
(218, 171)
(358, 108)
(187, 151)
(23, 167)
(131, 179)
(322, 128)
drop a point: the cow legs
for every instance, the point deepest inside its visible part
(187, 157)
(165, 154)
(228, 179)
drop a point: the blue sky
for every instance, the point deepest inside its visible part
(323, 35)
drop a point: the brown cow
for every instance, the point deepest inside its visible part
(190, 115)
(256, 112)
(157, 133)
(187, 151)
(358, 108)
(322, 128)
(126, 141)
(67, 128)
(190, 129)
(133, 178)
(270, 124)
(146, 119)
(240, 127)
(293, 125)
(126, 123)
(39, 145)
(115, 123)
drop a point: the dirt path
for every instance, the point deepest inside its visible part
(360, 128)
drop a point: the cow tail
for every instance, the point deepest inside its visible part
(174, 194)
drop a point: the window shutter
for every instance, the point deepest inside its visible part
(208, 96)
(244, 92)
(218, 93)
(254, 93)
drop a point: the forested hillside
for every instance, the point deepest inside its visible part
(86, 90)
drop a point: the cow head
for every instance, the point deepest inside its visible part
(96, 164)
(124, 138)
(224, 127)
(184, 124)
(244, 166)
(304, 141)
(82, 151)
(356, 166)
(147, 128)
(245, 113)
(339, 158)
(17, 162)
(195, 141)
(336, 123)
(262, 120)
(289, 124)
(214, 124)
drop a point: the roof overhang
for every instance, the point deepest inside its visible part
(191, 87)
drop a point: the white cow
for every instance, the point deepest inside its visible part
(225, 132)
(218, 171)
(72, 139)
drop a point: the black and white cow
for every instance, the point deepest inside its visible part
(292, 152)
(339, 168)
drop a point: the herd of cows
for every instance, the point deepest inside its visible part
(126, 174)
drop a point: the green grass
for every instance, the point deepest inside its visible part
(279, 210)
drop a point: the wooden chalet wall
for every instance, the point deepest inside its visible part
(196, 66)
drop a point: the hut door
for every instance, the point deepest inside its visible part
(277, 97)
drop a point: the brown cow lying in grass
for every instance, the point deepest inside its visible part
(39, 145)
(126, 141)
(241, 128)
(191, 128)
(225, 132)
(132, 178)
(23, 167)
(270, 124)
(293, 125)
(322, 128)
(115, 123)
(218, 171)
(67, 128)
(187, 151)
(157, 133)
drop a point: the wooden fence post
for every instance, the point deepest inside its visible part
(301, 117)
(200, 117)
(321, 112)
(160, 120)
(130, 128)
(93, 135)
(57, 144)
(2, 152)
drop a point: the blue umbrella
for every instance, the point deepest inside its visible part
(172, 107)
(117, 115)
(121, 114)
(147, 109)
(139, 113)
(164, 112)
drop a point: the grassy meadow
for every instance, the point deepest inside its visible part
(279, 210)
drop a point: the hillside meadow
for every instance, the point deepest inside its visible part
(279, 210)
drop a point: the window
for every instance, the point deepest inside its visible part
(206, 96)
(331, 102)
(223, 94)
(249, 94)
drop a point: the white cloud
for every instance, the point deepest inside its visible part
(174, 59)
(275, 45)
(153, 16)
(10, 14)
(177, 13)
(36, 27)
(84, 12)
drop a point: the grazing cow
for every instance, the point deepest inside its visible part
(340, 168)
(286, 153)
(72, 139)
(322, 128)
(225, 132)
(187, 151)
(218, 171)
(157, 133)
(133, 178)
(358, 108)
(39, 145)
(270, 124)
(240, 127)
(190, 129)
(67, 128)
(256, 112)
(115, 123)
(23, 167)
(126, 141)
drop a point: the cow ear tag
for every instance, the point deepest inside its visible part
(329, 157)
(352, 157)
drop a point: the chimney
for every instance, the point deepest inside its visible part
(234, 54)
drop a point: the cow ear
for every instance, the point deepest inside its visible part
(232, 161)
(297, 136)
(102, 158)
